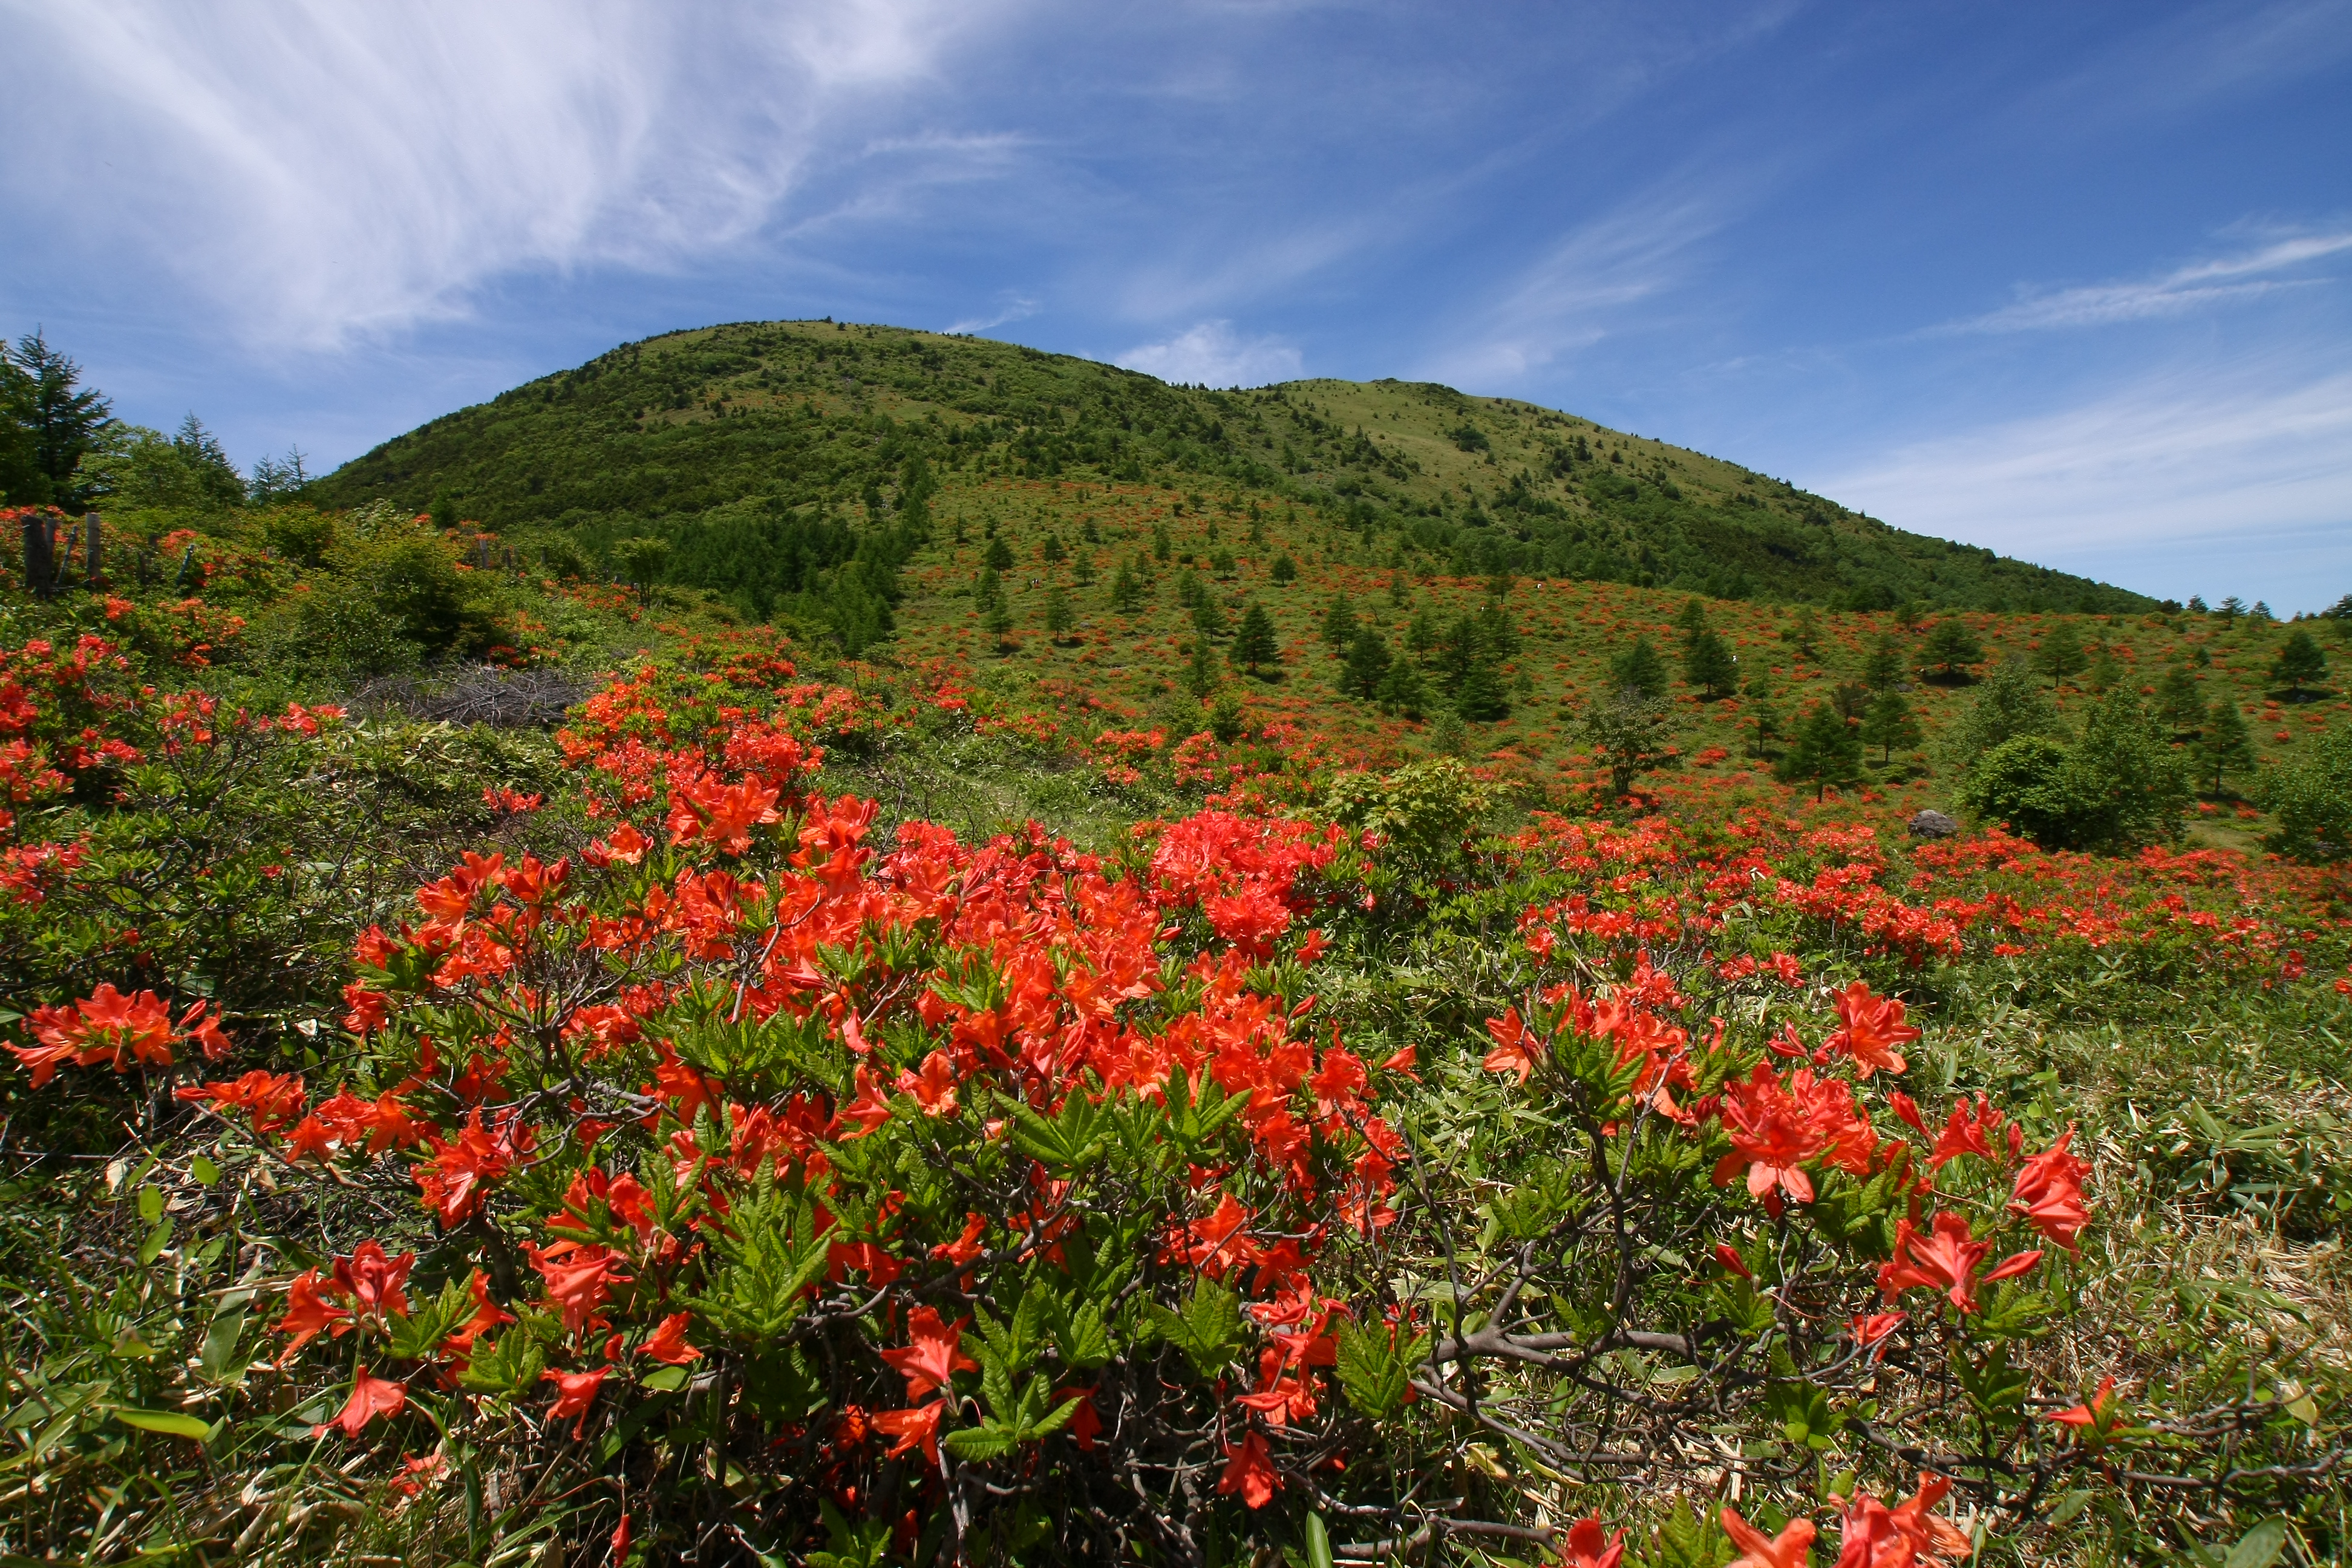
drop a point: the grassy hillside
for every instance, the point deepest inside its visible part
(755, 446)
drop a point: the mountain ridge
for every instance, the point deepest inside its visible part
(767, 422)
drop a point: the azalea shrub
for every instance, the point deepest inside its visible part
(701, 1165)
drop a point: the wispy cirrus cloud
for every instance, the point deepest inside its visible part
(2224, 468)
(2185, 289)
(1588, 285)
(1213, 354)
(1010, 308)
(320, 171)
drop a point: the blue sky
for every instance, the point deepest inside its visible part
(2074, 281)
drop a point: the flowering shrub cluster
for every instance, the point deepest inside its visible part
(703, 1166)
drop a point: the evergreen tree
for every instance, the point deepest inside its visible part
(2060, 656)
(1708, 664)
(1208, 615)
(1825, 750)
(1284, 569)
(1162, 547)
(58, 418)
(1339, 625)
(1058, 619)
(1125, 591)
(1951, 646)
(1256, 642)
(216, 478)
(1402, 690)
(1805, 632)
(1082, 570)
(2176, 699)
(1639, 669)
(1763, 708)
(1884, 665)
(2226, 747)
(1691, 618)
(996, 619)
(2105, 673)
(1052, 550)
(1479, 697)
(1422, 638)
(1200, 676)
(2230, 609)
(999, 557)
(2300, 663)
(1367, 666)
(1889, 724)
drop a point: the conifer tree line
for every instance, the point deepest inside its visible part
(61, 446)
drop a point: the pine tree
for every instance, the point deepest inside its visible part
(2176, 699)
(1478, 696)
(1052, 550)
(1367, 665)
(59, 419)
(1200, 676)
(1285, 570)
(1805, 632)
(1082, 570)
(1826, 750)
(1639, 669)
(1256, 642)
(2300, 663)
(1889, 724)
(999, 557)
(1884, 666)
(2227, 746)
(2060, 656)
(1402, 690)
(1125, 591)
(1208, 615)
(1162, 547)
(1951, 646)
(1339, 625)
(1708, 664)
(1058, 620)
(1763, 708)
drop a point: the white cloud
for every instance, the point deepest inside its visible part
(321, 170)
(1586, 286)
(1011, 308)
(2181, 290)
(2130, 483)
(1211, 354)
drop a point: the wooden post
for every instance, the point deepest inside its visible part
(93, 554)
(36, 555)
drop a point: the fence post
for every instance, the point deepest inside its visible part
(36, 555)
(94, 558)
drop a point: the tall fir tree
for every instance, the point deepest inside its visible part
(1256, 642)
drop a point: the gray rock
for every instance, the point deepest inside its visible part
(1933, 824)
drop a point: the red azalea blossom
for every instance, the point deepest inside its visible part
(371, 1397)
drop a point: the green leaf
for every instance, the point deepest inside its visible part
(1084, 1344)
(203, 1171)
(151, 1203)
(1373, 1370)
(987, 1441)
(1208, 1330)
(169, 1422)
(1994, 1388)
(1318, 1542)
(508, 1364)
(157, 1240)
(1069, 1142)
(2261, 1546)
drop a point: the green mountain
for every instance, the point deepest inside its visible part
(792, 462)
